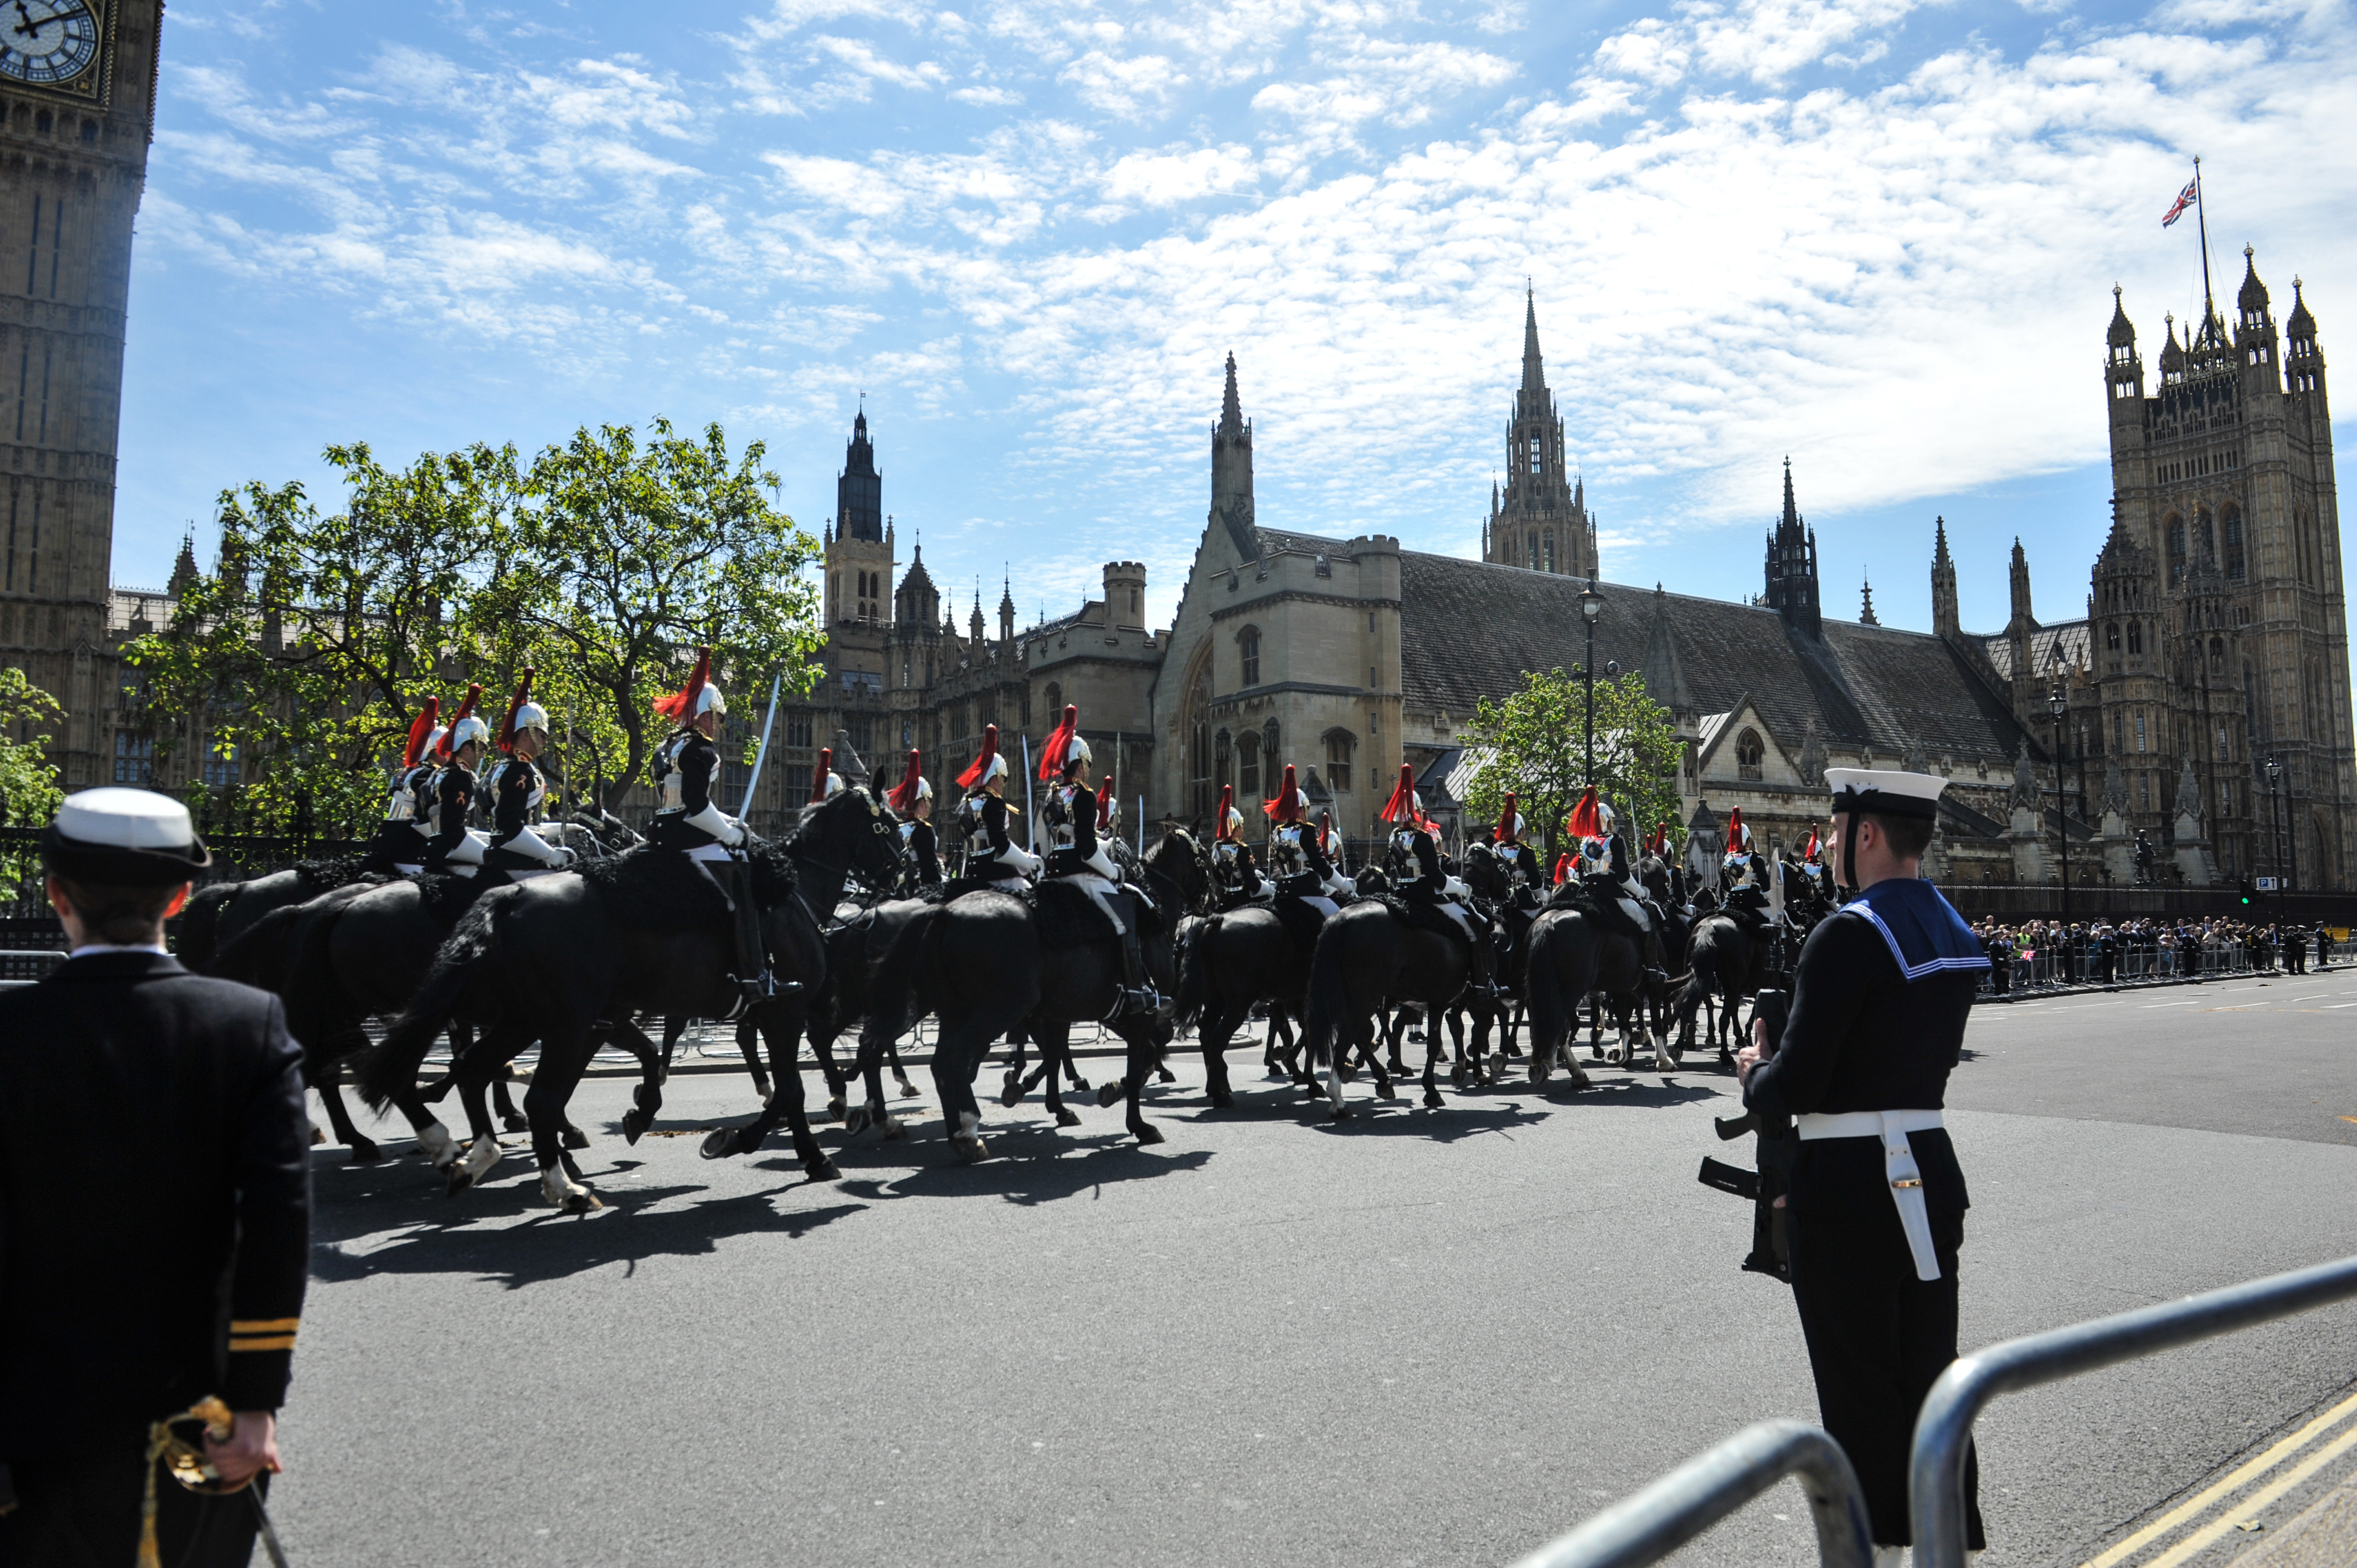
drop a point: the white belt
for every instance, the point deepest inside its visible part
(1898, 1163)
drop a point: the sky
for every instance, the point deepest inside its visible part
(1879, 236)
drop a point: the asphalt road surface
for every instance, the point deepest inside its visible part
(1413, 1338)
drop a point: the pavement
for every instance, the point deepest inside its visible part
(1413, 1338)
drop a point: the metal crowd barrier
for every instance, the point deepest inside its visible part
(1943, 1429)
(2047, 970)
(1687, 1501)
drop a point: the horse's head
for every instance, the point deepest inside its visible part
(1180, 860)
(854, 831)
(1486, 874)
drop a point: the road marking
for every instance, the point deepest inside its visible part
(2243, 1475)
(2193, 1545)
(2337, 1006)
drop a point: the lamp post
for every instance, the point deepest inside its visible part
(1591, 605)
(2275, 823)
(2058, 702)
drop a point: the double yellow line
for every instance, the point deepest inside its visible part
(2209, 1497)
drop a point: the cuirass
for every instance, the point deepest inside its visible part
(673, 787)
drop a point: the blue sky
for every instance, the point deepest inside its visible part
(1877, 235)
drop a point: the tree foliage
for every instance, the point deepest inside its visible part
(1535, 743)
(311, 646)
(30, 719)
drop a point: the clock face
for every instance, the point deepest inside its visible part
(47, 42)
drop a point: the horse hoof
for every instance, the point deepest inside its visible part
(582, 1203)
(515, 1121)
(835, 1109)
(635, 1124)
(1080, 1084)
(908, 1089)
(1109, 1093)
(1432, 1101)
(1067, 1117)
(821, 1169)
(715, 1143)
(970, 1150)
(575, 1138)
(895, 1129)
(1147, 1132)
(857, 1122)
(1222, 1100)
(1012, 1095)
(1164, 1075)
(1341, 1113)
(462, 1178)
(365, 1151)
(1385, 1092)
(318, 1136)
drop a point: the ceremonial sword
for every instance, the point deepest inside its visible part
(761, 753)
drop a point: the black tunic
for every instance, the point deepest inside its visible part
(454, 788)
(696, 759)
(924, 856)
(519, 781)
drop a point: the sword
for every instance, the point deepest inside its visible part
(1030, 828)
(1141, 827)
(761, 754)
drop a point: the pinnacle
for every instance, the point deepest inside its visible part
(1533, 365)
(1232, 411)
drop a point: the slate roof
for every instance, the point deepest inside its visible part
(2071, 635)
(1469, 629)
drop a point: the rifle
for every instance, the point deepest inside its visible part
(1778, 1141)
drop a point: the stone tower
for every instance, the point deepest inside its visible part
(859, 544)
(2230, 460)
(73, 159)
(1541, 521)
(1793, 567)
(1232, 471)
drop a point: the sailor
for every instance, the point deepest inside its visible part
(1429, 890)
(688, 820)
(1081, 857)
(455, 847)
(400, 837)
(912, 801)
(990, 855)
(1296, 856)
(1234, 871)
(517, 786)
(1875, 1211)
(142, 1273)
(1522, 862)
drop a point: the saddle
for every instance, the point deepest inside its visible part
(1429, 915)
(651, 889)
(1302, 921)
(1068, 915)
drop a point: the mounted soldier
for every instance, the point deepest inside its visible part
(453, 846)
(517, 786)
(825, 782)
(400, 837)
(1746, 875)
(1427, 892)
(1235, 873)
(1520, 860)
(688, 820)
(912, 801)
(990, 857)
(1331, 843)
(1296, 856)
(1079, 856)
(1605, 871)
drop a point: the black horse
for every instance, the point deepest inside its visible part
(1232, 961)
(1726, 966)
(1369, 956)
(988, 962)
(566, 960)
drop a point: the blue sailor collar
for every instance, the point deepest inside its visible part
(1925, 934)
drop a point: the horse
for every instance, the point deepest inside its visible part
(566, 958)
(1368, 956)
(988, 962)
(1493, 885)
(1725, 965)
(1230, 962)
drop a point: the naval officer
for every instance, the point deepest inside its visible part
(154, 1210)
(1875, 1209)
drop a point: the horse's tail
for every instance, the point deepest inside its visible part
(1193, 980)
(1329, 991)
(1702, 976)
(199, 933)
(392, 1067)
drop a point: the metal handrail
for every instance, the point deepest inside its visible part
(1654, 1523)
(1943, 1429)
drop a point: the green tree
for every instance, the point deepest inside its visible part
(1534, 742)
(29, 717)
(622, 557)
(309, 648)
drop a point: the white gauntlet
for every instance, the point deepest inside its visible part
(529, 842)
(1454, 888)
(717, 822)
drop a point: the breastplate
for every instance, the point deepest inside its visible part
(1286, 856)
(977, 833)
(672, 789)
(396, 799)
(1059, 819)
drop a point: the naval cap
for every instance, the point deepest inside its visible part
(123, 837)
(1885, 791)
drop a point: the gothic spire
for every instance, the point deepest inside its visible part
(1533, 371)
(1232, 407)
(1792, 512)
(1940, 556)
(1865, 615)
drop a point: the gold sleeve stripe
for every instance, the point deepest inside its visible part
(273, 1342)
(263, 1324)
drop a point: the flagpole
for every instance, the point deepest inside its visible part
(2202, 217)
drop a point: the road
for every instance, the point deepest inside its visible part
(1412, 1338)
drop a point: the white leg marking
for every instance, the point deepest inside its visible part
(433, 1141)
(558, 1186)
(481, 1155)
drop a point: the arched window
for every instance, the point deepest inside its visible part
(2234, 530)
(2204, 539)
(1248, 766)
(1747, 754)
(1340, 744)
(2136, 637)
(1274, 752)
(2111, 637)
(1222, 764)
(1248, 649)
(1546, 552)
(1055, 700)
(1530, 547)
(2176, 551)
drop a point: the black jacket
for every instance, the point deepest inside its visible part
(454, 788)
(155, 1201)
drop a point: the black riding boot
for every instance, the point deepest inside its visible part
(752, 971)
(1137, 994)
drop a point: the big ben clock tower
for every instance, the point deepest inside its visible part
(76, 111)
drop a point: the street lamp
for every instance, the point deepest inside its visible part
(2058, 702)
(2275, 820)
(1591, 605)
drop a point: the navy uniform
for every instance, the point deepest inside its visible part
(161, 1263)
(923, 860)
(517, 785)
(1875, 1207)
(991, 855)
(688, 820)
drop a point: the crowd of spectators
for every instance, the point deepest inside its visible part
(2101, 953)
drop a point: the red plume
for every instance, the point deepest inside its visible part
(818, 776)
(1288, 804)
(1227, 804)
(680, 707)
(522, 695)
(419, 728)
(1104, 805)
(1585, 821)
(903, 798)
(466, 710)
(1809, 850)
(1736, 833)
(1507, 817)
(989, 749)
(1060, 742)
(1401, 807)
(1562, 869)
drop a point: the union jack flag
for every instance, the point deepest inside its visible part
(2185, 199)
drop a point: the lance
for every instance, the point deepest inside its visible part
(761, 753)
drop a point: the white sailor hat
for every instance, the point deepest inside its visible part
(1885, 791)
(126, 838)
